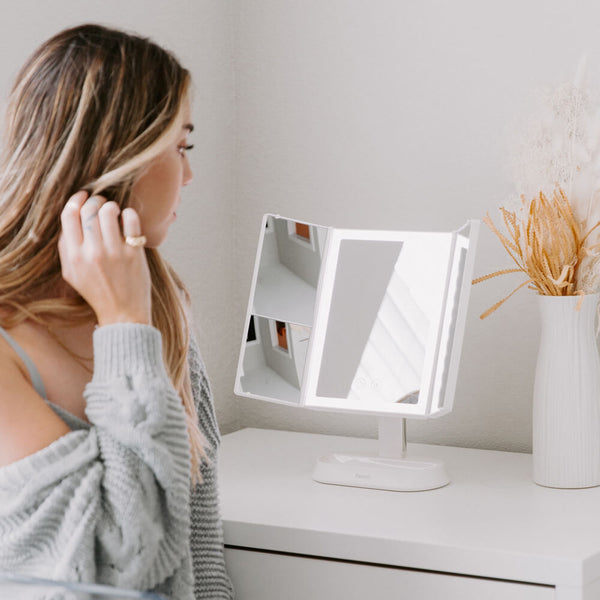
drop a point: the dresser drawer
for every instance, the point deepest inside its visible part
(267, 576)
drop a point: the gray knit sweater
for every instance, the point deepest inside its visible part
(110, 502)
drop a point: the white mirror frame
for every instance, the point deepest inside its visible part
(444, 344)
(432, 400)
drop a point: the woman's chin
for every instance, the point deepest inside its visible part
(156, 239)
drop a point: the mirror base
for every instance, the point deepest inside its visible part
(376, 472)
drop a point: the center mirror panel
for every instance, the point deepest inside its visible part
(375, 348)
(281, 311)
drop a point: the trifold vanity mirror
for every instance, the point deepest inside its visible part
(359, 321)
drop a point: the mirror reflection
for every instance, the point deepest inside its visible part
(386, 296)
(356, 320)
(282, 309)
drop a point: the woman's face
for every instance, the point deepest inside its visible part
(156, 194)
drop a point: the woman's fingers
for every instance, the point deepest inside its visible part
(108, 217)
(112, 277)
(131, 223)
(96, 221)
(72, 232)
(90, 222)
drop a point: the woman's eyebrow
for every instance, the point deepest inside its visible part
(189, 127)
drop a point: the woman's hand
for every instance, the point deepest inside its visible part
(110, 275)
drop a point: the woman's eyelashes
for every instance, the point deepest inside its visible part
(183, 149)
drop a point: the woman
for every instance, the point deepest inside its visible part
(108, 437)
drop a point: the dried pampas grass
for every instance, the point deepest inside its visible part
(553, 233)
(547, 243)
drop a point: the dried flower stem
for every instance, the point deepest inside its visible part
(548, 246)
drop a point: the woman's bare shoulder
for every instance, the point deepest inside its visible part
(27, 423)
(11, 366)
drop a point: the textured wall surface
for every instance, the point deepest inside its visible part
(399, 115)
(349, 113)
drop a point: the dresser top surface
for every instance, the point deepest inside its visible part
(491, 520)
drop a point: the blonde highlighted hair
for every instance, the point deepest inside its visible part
(89, 110)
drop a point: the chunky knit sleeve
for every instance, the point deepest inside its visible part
(110, 503)
(211, 579)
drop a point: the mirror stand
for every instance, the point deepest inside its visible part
(390, 470)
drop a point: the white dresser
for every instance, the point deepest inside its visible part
(490, 534)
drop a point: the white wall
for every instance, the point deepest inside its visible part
(353, 113)
(388, 114)
(200, 244)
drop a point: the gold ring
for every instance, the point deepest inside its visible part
(135, 240)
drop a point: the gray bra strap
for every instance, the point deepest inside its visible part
(36, 380)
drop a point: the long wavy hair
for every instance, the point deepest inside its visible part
(90, 110)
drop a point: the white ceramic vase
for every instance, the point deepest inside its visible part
(566, 397)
